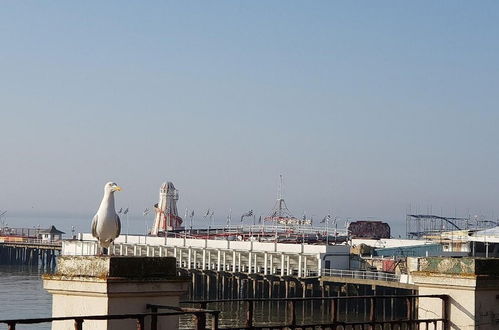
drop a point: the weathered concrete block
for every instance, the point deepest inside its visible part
(95, 285)
(116, 267)
(472, 285)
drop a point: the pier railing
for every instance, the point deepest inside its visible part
(361, 274)
(375, 316)
(140, 318)
(32, 242)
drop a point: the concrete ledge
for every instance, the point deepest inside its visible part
(350, 280)
(461, 266)
(115, 267)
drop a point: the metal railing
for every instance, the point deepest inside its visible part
(361, 274)
(140, 318)
(375, 308)
(372, 321)
(31, 241)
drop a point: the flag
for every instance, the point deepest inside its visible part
(260, 219)
(121, 210)
(247, 214)
(324, 219)
(146, 211)
(126, 211)
(207, 213)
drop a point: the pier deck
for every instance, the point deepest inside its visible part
(29, 252)
(253, 258)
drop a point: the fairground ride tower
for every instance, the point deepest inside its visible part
(166, 218)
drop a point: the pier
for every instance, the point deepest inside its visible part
(33, 252)
(228, 269)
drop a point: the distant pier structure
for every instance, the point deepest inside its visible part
(27, 246)
(420, 225)
(167, 218)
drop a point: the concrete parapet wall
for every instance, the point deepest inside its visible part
(95, 285)
(460, 266)
(116, 267)
(472, 285)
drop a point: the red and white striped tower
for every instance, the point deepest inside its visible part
(167, 218)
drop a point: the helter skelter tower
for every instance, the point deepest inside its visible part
(166, 218)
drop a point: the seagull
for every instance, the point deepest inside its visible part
(106, 225)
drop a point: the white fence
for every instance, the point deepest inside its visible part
(360, 274)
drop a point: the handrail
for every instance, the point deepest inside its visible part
(361, 274)
(200, 314)
(33, 241)
(78, 320)
(291, 307)
(439, 296)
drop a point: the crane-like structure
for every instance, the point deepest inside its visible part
(280, 214)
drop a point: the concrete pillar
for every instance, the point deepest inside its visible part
(304, 265)
(91, 285)
(249, 261)
(203, 266)
(472, 285)
(265, 263)
(288, 264)
(282, 264)
(233, 261)
(271, 268)
(300, 260)
(224, 262)
(239, 262)
(218, 260)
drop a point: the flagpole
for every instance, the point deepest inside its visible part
(192, 215)
(127, 228)
(327, 229)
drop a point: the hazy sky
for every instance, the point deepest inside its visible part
(364, 107)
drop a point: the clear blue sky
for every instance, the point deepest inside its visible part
(364, 107)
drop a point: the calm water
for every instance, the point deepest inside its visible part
(22, 295)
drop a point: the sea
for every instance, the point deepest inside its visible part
(21, 288)
(22, 295)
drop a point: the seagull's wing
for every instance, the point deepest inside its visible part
(118, 225)
(94, 226)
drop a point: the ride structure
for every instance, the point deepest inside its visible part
(421, 225)
(281, 215)
(167, 218)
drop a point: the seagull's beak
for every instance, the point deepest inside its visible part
(116, 188)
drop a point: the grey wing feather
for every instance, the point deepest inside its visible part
(118, 225)
(94, 226)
